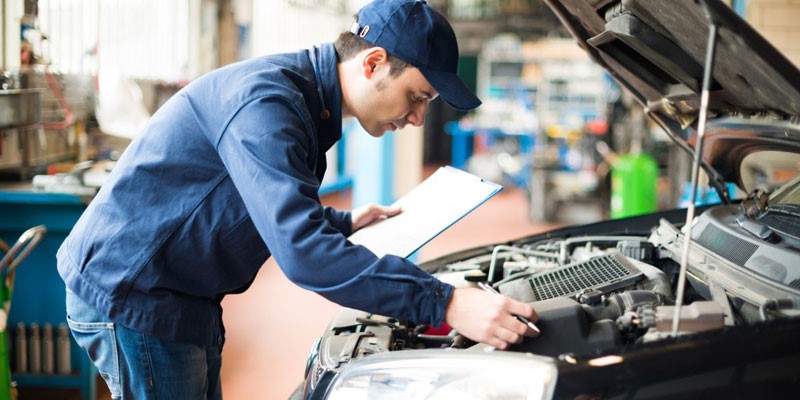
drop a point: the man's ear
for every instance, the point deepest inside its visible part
(373, 60)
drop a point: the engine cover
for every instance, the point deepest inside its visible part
(567, 328)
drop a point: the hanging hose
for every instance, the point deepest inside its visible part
(62, 102)
(24, 245)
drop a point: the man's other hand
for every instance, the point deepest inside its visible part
(370, 213)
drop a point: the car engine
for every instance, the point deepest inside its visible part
(597, 294)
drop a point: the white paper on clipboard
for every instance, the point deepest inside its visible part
(428, 210)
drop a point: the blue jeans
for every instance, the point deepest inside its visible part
(138, 366)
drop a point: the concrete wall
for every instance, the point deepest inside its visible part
(10, 14)
(279, 26)
(777, 21)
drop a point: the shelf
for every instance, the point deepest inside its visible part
(41, 380)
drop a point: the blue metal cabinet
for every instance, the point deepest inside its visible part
(39, 295)
(462, 146)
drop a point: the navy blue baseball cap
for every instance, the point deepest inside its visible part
(420, 36)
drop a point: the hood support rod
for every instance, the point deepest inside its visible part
(698, 153)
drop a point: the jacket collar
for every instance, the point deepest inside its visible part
(323, 60)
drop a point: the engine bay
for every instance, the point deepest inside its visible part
(598, 294)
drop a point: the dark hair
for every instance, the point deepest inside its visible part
(347, 45)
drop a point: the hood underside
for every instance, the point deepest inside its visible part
(656, 50)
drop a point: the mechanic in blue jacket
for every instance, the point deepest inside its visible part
(227, 173)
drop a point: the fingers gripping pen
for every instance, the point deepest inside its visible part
(488, 288)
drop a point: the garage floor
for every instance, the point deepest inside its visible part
(271, 327)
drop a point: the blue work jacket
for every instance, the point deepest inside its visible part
(227, 173)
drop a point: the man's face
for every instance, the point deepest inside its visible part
(389, 103)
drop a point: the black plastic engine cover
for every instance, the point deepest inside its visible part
(567, 328)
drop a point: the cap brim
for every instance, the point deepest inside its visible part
(452, 90)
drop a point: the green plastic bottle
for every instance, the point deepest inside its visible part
(634, 188)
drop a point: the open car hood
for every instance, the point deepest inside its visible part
(656, 50)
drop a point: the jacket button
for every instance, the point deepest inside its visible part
(438, 293)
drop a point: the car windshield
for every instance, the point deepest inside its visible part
(788, 195)
(782, 212)
(769, 170)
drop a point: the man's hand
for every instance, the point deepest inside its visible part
(489, 318)
(370, 213)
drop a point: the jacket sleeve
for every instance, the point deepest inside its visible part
(341, 220)
(268, 151)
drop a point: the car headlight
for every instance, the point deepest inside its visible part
(446, 374)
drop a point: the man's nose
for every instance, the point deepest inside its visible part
(416, 116)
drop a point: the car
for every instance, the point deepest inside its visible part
(648, 306)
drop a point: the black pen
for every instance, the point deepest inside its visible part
(488, 288)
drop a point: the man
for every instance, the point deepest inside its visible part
(227, 173)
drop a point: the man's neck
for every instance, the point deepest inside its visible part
(344, 70)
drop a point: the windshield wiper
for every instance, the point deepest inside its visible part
(753, 207)
(755, 203)
(757, 229)
(785, 208)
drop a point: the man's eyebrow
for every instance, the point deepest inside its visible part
(427, 94)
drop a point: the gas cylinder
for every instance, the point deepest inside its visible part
(634, 188)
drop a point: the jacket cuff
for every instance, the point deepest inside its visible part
(440, 296)
(340, 220)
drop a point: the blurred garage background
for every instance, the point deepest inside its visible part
(79, 78)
